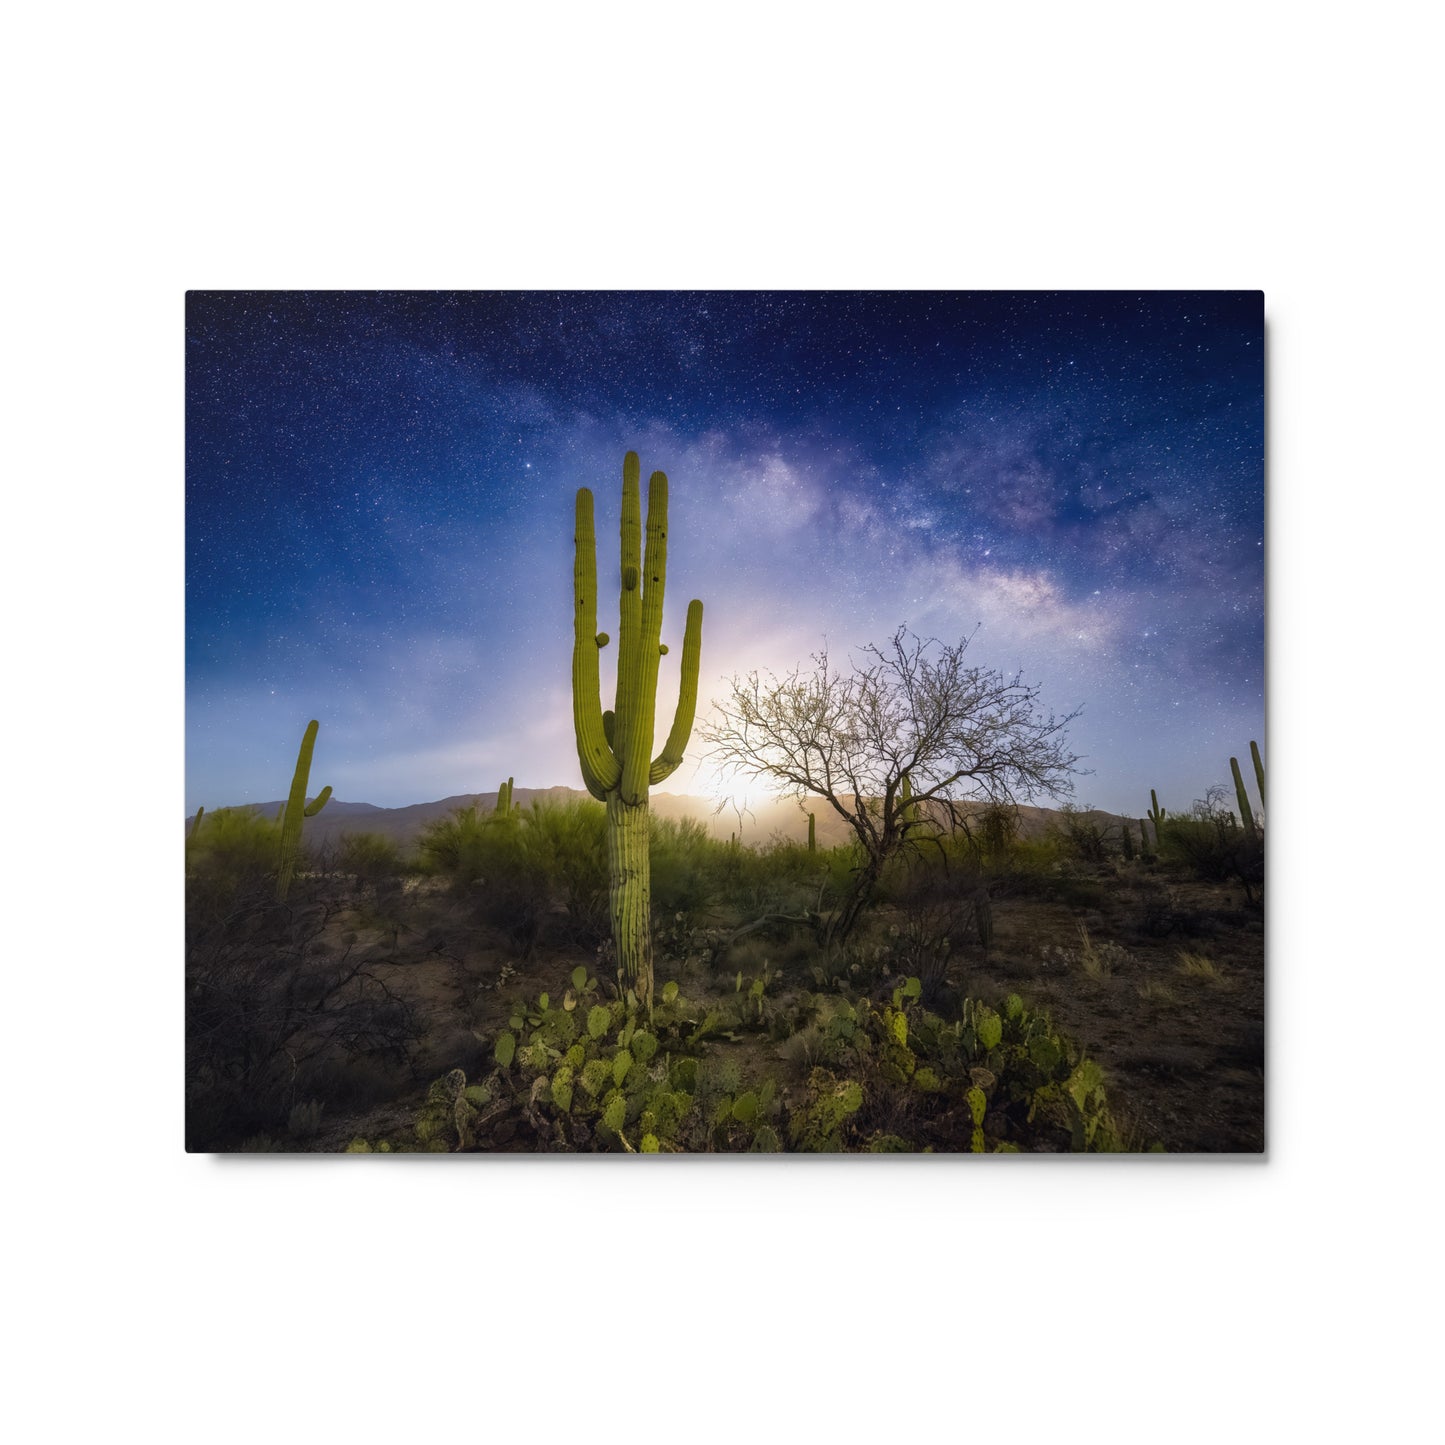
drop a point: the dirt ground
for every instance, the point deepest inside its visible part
(1161, 980)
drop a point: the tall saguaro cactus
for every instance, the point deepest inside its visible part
(296, 809)
(812, 833)
(1258, 771)
(615, 747)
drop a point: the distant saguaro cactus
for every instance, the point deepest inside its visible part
(812, 833)
(196, 826)
(983, 918)
(296, 808)
(907, 812)
(1156, 816)
(504, 799)
(1258, 771)
(615, 747)
(1246, 813)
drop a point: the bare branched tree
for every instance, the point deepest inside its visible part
(912, 708)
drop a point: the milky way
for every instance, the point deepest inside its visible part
(380, 491)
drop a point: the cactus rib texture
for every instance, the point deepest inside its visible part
(296, 808)
(614, 748)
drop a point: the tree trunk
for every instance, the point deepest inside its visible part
(857, 900)
(630, 896)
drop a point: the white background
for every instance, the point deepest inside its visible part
(154, 148)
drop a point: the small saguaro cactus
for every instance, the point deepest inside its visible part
(1246, 813)
(1145, 851)
(504, 799)
(1156, 816)
(196, 826)
(907, 812)
(615, 747)
(1258, 771)
(983, 918)
(812, 832)
(296, 808)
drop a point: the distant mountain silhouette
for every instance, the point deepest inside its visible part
(783, 818)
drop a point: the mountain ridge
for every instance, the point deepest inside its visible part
(782, 817)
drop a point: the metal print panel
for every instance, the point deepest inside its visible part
(721, 722)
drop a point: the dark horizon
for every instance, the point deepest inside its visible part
(380, 493)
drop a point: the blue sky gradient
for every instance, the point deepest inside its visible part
(380, 492)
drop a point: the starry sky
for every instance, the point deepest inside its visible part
(380, 492)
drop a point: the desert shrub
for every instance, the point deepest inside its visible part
(1151, 909)
(1210, 843)
(486, 858)
(1033, 866)
(777, 876)
(237, 840)
(369, 858)
(689, 870)
(230, 863)
(273, 1008)
(1083, 835)
(940, 909)
(304, 1120)
(995, 834)
(566, 844)
(458, 846)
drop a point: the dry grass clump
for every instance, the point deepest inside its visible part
(1155, 991)
(1196, 966)
(1098, 960)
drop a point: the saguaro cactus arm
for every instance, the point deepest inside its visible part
(666, 762)
(1258, 771)
(600, 771)
(318, 803)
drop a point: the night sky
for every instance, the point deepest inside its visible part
(380, 500)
